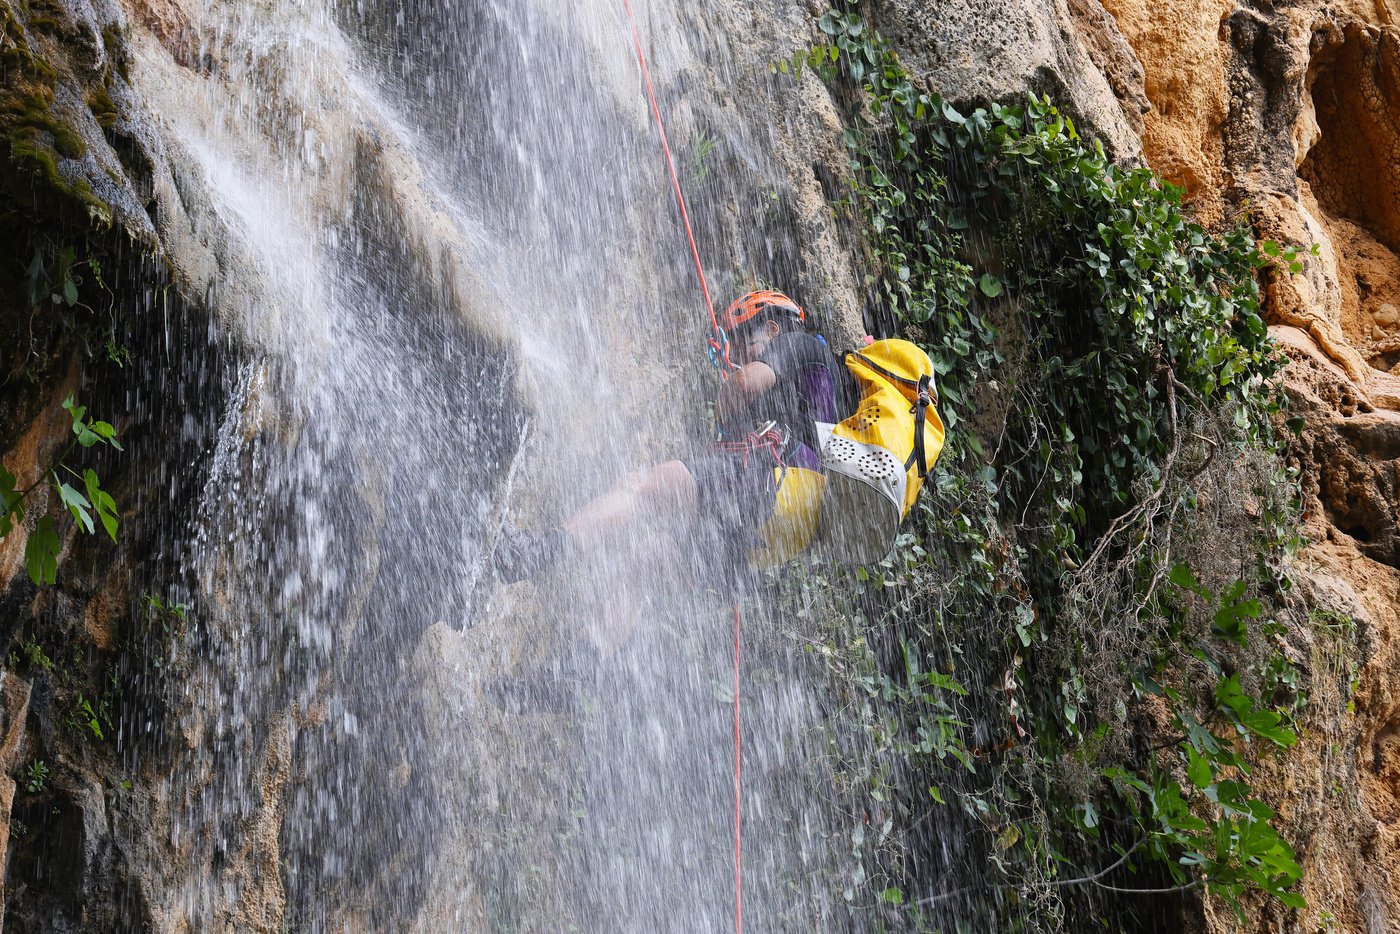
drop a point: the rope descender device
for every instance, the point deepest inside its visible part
(719, 353)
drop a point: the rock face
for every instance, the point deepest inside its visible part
(1287, 117)
(1289, 114)
(975, 52)
(14, 695)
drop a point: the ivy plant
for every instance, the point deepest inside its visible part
(1116, 345)
(80, 494)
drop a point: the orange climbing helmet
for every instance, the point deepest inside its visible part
(760, 306)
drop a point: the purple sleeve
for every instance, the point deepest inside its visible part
(819, 389)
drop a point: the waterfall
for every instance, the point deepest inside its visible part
(448, 268)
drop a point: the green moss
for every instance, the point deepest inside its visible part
(32, 154)
(102, 107)
(38, 138)
(99, 211)
(112, 42)
(17, 53)
(33, 113)
(38, 157)
(69, 144)
(66, 141)
(50, 18)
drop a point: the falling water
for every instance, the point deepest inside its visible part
(456, 295)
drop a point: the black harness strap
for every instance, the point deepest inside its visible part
(924, 386)
(923, 383)
(920, 408)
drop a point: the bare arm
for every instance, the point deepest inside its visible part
(741, 389)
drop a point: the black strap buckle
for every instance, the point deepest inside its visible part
(919, 410)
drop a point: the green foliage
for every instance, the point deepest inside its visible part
(84, 716)
(1097, 349)
(168, 621)
(33, 655)
(41, 552)
(36, 777)
(820, 57)
(58, 285)
(702, 145)
(42, 546)
(169, 614)
(1211, 827)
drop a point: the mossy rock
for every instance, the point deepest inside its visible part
(37, 136)
(99, 101)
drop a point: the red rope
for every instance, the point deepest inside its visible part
(738, 847)
(720, 346)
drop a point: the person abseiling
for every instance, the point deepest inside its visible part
(724, 495)
(810, 454)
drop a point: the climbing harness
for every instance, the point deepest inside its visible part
(767, 437)
(797, 499)
(719, 355)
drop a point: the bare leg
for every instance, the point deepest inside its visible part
(662, 496)
(660, 502)
(638, 522)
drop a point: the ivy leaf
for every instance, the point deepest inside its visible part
(1197, 768)
(1182, 576)
(105, 505)
(106, 432)
(41, 553)
(70, 405)
(1230, 620)
(76, 503)
(989, 285)
(36, 279)
(86, 436)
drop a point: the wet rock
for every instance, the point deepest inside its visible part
(69, 117)
(1289, 117)
(975, 51)
(14, 708)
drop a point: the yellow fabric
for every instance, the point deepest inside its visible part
(884, 418)
(797, 512)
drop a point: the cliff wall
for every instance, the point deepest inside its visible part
(1286, 117)
(1283, 117)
